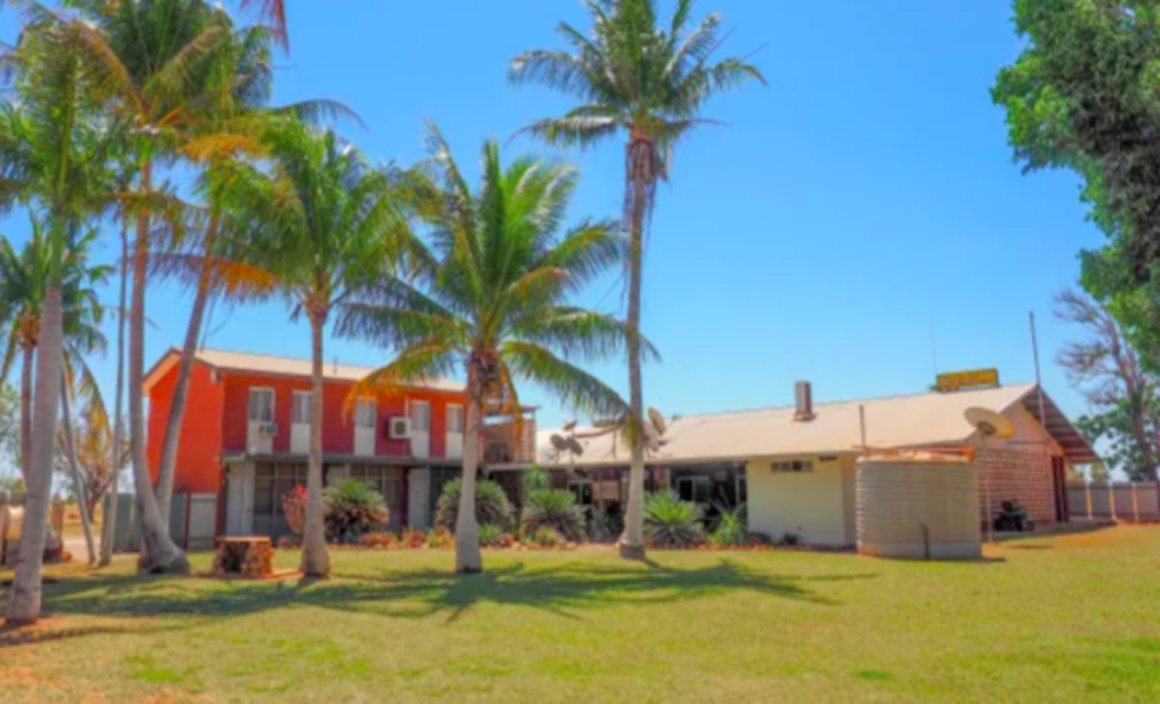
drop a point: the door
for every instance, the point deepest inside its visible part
(419, 498)
(1059, 479)
(420, 429)
(300, 423)
(260, 430)
(365, 414)
(240, 499)
(454, 432)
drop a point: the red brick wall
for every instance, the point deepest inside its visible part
(338, 423)
(1014, 474)
(200, 446)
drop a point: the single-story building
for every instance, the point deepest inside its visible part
(795, 467)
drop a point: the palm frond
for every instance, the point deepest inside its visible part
(578, 389)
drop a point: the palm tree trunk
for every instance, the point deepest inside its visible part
(109, 526)
(468, 556)
(167, 468)
(75, 475)
(315, 556)
(25, 603)
(632, 543)
(26, 411)
(159, 554)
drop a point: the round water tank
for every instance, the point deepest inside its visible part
(918, 506)
(11, 522)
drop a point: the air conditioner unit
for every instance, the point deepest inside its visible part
(399, 429)
(268, 430)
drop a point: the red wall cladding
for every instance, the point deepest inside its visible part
(338, 422)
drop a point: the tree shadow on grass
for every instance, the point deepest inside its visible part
(565, 590)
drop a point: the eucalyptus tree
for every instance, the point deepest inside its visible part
(636, 77)
(492, 300)
(328, 226)
(55, 147)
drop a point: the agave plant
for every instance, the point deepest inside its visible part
(352, 509)
(491, 505)
(556, 509)
(731, 528)
(672, 523)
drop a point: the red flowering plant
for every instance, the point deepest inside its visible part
(294, 509)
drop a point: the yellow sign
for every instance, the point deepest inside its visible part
(968, 380)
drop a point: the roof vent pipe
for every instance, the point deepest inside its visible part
(803, 401)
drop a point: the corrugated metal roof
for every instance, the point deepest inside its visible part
(898, 421)
(227, 360)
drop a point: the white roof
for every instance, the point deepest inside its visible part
(928, 419)
(277, 366)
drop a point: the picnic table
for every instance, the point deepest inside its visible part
(248, 556)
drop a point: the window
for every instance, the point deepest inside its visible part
(794, 466)
(365, 414)
(300, 408)
(420, 416)
(455, 419)
(696, 489)
(262, 405)
(582, 490)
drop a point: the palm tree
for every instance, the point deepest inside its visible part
(161, 59)
(54, 152)
(497, 284)
(24, 279)
(649, 82)
(327, 225)
(226, 130)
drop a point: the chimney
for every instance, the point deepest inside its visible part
(803, 402)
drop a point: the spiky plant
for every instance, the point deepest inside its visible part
(647, 81)
(672, 523)
(491, 505)
(556, 509)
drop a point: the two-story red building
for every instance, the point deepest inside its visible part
(245, 437)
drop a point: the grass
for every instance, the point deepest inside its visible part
(1056, 618)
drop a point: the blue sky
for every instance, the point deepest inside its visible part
(862, 200)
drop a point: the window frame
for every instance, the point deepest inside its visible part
(360, 417)
(414, 425)
(462, 414)
(250, 404)
(294, 396)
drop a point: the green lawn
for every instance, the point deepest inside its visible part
(1062, 618)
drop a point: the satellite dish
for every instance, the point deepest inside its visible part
(658, 420)
(989, 423)
(570, 426)
(575, 446)
(560, 443)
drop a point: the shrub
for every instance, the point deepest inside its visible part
(609, 522)
(379, 541)
(789, 540)
(672, 523)
(546, 537)
(534, 479)
(555, 509)
(493, 537)
(294, 508)
(730, 530)
(491, 505)
(414, 539)
(440, 539)
(353, 508)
